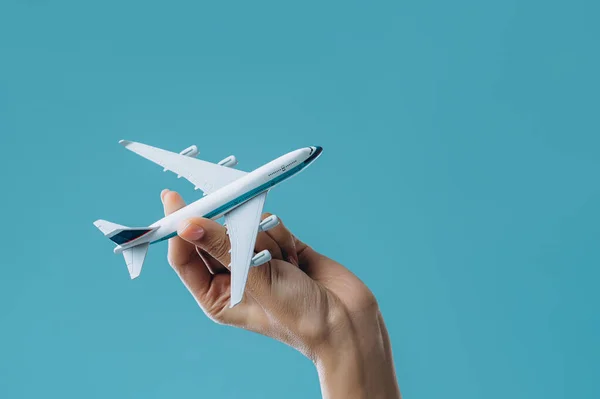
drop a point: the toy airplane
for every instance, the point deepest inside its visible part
(237, 195)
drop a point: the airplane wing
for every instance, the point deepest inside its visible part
(206, 176)
(242, 227)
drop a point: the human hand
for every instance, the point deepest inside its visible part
(300, 297)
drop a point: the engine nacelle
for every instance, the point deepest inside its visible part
(230, 161)
(268, 223)
(191, 151)
(260, 258)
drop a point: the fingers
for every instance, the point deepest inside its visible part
(205, 248)
(182, 255)
(285, 240)
(213, 265)
(264, 241)
(211, 237)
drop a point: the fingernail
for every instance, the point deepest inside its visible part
(192, 231)
(293, 261)
(163, 193)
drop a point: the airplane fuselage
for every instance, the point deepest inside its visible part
(230, 196)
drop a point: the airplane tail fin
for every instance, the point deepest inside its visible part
(107, 227)
(134, 256)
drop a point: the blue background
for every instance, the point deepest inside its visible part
(459, 181)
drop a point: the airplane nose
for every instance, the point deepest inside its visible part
(315, 151)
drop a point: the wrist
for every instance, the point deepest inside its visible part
(356, 362)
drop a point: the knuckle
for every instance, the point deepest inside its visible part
(217, 310)
(259, 276)
(366, 301)
(214, 306)
(219, 245)
(318, 330)
(217, 314)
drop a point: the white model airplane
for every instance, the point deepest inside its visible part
(237, 195)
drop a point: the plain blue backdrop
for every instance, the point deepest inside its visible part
(459, 180)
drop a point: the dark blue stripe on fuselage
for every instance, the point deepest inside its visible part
(252, 193)
(126, 236)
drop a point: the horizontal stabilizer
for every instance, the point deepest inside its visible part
(134, 257)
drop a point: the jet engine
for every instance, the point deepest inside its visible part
(191, 151)
(260, 258)
(268, 223)
(230, 161)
